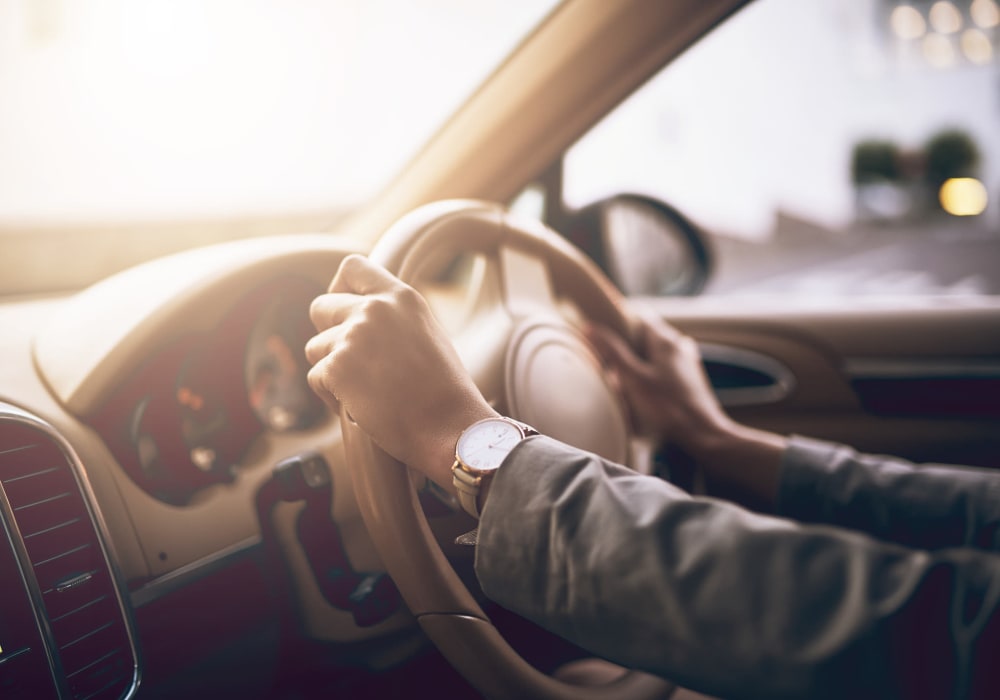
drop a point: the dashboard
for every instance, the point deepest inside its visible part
(170, 487)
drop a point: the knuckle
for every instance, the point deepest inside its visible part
(687, 345)
(379, 309)
(408, 298)
(347, 271)
(351, 264)
(354, 340)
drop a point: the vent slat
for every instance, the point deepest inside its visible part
(43, 501)
(89, 634)
(61, 555)
(80, 608)
(20, 448)
(71, 595)
(93, 663)
(73, 521)
(13, 479)
(72, 582)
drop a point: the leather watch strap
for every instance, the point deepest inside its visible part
(468, 487)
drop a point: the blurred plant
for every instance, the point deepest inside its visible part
(892, 182)
(950, 153)
(874, 161)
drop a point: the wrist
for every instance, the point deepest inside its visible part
(740, 463)
(702, 434)
(436, 454)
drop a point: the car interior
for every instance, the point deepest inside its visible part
(183, 516)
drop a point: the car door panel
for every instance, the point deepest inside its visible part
(919, 381)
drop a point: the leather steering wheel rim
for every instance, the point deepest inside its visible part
(441, 603)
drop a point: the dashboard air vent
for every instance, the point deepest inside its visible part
(63, 564)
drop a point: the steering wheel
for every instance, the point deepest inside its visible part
(519, 342)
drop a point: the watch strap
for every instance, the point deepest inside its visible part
(468, 487)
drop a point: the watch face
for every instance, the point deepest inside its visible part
(484, 445)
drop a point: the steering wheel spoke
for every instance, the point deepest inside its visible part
(482, 345)
(526, 284)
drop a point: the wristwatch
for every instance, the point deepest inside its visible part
(480, 451)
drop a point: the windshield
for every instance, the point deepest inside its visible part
(195, 121)
(827, 149)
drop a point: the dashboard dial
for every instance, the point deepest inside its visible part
(146, 448)
(203, 419)
(276, 368)
(187, 418)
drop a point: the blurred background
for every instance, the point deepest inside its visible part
(829, 148)
(132, 128)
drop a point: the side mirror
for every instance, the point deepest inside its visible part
(646, 246)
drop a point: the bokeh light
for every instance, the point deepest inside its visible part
(907, 22)
(945, 17)
(977, 47)
(985, 13)
(963, 196)
(938, 51)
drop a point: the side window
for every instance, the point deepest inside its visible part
(826, 148)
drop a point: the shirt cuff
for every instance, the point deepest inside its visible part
(805, 467)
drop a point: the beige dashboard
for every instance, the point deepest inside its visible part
(98, 358)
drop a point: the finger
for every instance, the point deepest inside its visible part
(617, 385)
(600, 339)
(328, 310)
(334, 375)
(322, 344)
(613, 348)
(656, 329)
(319, 381)
(595, 334)
(359, 275)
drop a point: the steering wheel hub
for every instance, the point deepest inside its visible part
(555, 384)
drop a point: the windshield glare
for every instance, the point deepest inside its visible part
(120, 114)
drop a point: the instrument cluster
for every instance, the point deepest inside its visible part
(185, 420)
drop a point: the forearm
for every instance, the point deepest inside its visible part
(739, 463)
(721, 599)
(929, 506)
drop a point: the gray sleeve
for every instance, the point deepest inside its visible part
(930, 506)
(726, 601)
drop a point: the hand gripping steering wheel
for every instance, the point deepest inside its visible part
(518, 338)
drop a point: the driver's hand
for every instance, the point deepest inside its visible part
(671, 398)
(381, 354)
(664, 383)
